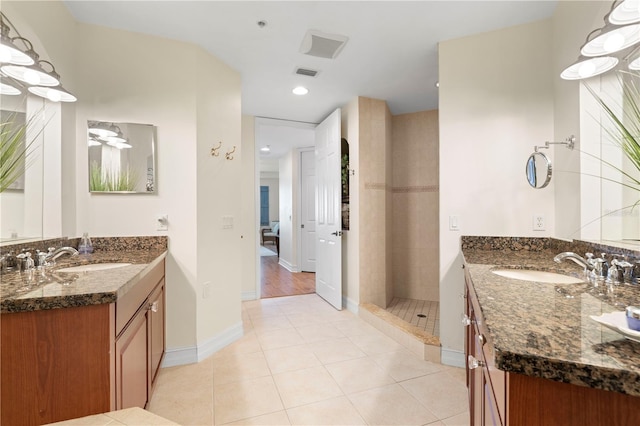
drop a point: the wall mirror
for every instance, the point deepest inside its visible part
(538, 170)
(122, 157)
(21, 205)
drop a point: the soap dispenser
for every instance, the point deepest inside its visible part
(85, 246)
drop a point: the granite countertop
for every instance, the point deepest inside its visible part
(545, 330)
(48, 289)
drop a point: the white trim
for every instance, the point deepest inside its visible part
(193, 354)
(218, 342)
(289, 267)
(351, 305)
(248, 295)
(180, 356)
(452, 357)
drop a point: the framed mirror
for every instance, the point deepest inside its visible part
(538, 170)
(122, 157)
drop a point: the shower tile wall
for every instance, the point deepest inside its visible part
(415, 270)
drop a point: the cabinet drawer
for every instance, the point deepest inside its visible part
(129, 304)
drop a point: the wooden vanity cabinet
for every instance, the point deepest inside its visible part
(499, 398)
(59, 364)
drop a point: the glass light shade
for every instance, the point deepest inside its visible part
(9, 53)
(589, 67)
(635, 64)
(612, 39)
(32, 74)
(93, 142)
(265, 149)
(54, 94)
(627, 12)
(116, 139)
(8, 89)
(120, 145)
(102, 130)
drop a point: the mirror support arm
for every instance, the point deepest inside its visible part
(569, 142)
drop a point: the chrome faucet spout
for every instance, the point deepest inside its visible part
(568, 255)
(54, 254)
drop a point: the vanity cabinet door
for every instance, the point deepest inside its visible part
(156, 330)
(132, 363)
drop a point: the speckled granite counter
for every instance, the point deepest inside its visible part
(544, 330)
(49, 289)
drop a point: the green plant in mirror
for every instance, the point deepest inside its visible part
(111, 181)
(15, 152)
(623, 125)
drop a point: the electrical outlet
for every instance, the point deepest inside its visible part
(538, 222)
(162, 221)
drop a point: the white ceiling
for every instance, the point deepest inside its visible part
(391, 53)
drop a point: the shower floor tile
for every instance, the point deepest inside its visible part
(424, 314)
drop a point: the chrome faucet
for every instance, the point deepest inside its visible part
(586, 264)
(54, 254)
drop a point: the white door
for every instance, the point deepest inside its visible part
(328, 207)
(308, 211)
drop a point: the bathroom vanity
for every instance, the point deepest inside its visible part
(534, 355)
(75, 344)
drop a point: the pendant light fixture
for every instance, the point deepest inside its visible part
(588, 67)
(102, 129)
(611, 39)
(626, 12)
(606, 47)
(26, 68)
(7, 88)
(54, 94)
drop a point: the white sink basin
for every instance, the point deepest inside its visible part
(92, 267)
(538, 276)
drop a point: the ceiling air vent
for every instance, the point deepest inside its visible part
(307, 72)
(322, 45)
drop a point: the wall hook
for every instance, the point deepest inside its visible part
(228, 155)
(214, 150)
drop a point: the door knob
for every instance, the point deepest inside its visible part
(337, 233)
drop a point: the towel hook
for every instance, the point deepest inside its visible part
(214, 150)
(228, 155)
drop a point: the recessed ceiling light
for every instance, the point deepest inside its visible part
(265, 149)
(300, 90)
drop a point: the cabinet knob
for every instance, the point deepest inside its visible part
(153, 307)
(481, 339)
(473, 362)
(466, 321)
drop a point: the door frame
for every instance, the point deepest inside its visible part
(266, 121)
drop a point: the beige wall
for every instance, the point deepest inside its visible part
(134, 84)
(415, 206)
(375, 211)
(496, 104)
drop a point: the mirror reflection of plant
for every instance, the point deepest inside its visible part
(16, 154)
(624, 127)
(110, 181)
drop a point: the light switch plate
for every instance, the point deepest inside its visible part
(162, 221)
(454, 223)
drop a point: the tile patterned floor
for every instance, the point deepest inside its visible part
(301, 362)
(409, 309)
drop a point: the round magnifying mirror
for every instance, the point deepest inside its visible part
(538, 170)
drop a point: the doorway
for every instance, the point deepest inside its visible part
(279, 146)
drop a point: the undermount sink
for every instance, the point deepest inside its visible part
(537, 276)
(92, 267)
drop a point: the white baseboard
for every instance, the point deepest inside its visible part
(248, 295)
(191, 355)
(350, 305)
(180, 356)
(218, 342)
(289, 267)
(453, 358)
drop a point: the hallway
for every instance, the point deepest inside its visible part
(276, 281)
